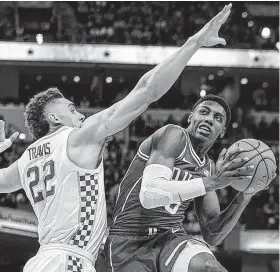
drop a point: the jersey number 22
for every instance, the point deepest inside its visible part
(48, 174)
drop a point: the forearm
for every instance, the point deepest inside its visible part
(161, 78)
(218, 228)
(158, 189)
(10, 179)
(4, 188)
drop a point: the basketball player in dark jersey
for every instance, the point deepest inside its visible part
(170, 169)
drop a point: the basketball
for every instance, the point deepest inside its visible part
(264, 161)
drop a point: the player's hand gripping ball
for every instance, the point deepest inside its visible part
(264, 161)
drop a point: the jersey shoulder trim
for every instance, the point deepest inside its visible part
(145, 157)
(182, 155)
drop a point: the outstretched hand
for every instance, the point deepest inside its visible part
(208, 35)
(6, 143)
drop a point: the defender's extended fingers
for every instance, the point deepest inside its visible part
(14, 136)
(225, 17)
(2, 131)
(222, 14)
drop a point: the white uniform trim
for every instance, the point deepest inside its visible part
(70, 250)
(174, 252)
(191, 250)
(110, 252)
(193, 153)
(115, 219)
(119, 190)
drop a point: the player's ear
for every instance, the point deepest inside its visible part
(53, 118)
(223, 132)
(190, 117)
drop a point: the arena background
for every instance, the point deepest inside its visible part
(95, 52)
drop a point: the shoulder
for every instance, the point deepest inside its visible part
(170, 138)
(170, 132)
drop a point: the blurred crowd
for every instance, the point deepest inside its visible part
(133, 22)
(262, 212)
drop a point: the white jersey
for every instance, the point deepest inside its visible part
(68, 201)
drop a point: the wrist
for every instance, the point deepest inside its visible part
(245, 196)
(209, 184)
(194, 41)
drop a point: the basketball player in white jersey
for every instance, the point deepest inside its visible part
(62, 171)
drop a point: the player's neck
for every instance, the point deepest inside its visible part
(53, 129)
(200, 147)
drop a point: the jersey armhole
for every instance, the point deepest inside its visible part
(141, 154)
(72, 165)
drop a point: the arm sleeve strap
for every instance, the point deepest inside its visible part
(158, 189)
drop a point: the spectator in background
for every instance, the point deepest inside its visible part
(65, 22)
(8, 25)
(260, 99)
(274, 129)
(271, 213)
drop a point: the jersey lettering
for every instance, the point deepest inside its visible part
(39, 151)
(173, 208)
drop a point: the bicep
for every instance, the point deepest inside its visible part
(10, 179)
(207, 207)
(116, 118)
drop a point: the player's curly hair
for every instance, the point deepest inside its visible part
(219, 100)
(35, 120)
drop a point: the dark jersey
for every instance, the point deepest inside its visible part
(128, 210)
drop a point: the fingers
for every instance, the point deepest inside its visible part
(222, 155)
(225, 17)
(2, 131)
(14, 136)
(273, 175)
(242, 171)
(222, 41)
(233, 151)
(222, 14)
(236, 163)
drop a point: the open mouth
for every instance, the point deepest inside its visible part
(205, 128)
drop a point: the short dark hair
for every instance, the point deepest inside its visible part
(219, 100)
(35, 120)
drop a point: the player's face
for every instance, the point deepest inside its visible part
(63, 111)
(207, 122)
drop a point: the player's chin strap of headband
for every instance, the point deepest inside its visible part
(4, 145)
(157, 188)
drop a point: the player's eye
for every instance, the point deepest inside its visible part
(219, 119)
(203, 111)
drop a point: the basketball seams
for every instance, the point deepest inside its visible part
(253, 176)
(263, 159)
(244, 152)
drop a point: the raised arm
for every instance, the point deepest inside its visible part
(9, 177)
(152, 85)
